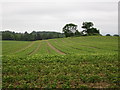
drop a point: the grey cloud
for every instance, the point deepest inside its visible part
(48, 8)
(59, 0)
(53, 15)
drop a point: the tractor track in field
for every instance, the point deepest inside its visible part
(85, 45)
(91, 47)
(58, 51)
(35, 50)
(25, 47)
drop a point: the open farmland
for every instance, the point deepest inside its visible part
(81, 62)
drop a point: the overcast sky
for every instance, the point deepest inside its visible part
(52, 16)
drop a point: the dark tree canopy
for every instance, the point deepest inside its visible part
(116, 35)
(89, 29)
(70, 29)
(8, 35)
(87, 25)
(108, 35)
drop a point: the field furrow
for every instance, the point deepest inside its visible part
(75, 62)
(35, 50)
(29, 50)
(58, 51)
(10, 47)
(25, 47)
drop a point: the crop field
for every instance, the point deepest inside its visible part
(75, 62)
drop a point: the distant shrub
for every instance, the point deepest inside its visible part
(116, 35)
(108, 35)
(96, 34)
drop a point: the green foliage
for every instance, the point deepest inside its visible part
(116, 35)
(8, 35)
(70, 29)
(108, 35)
(46, 71)
(77, 33)
(89, 62)
(89, 29)
(83, 86)
(87, 25)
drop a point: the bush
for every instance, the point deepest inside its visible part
(108, 35)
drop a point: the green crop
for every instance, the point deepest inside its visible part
(75, 62)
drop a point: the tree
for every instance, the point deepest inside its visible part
(87, 25)
(69, 29)
(89, 29)
(94, 31)
(8, 35)
(26, 36)
(108, 35)
(116, 35)
(77, 33)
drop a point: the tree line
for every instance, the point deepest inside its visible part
(8, 35)
(69, 30)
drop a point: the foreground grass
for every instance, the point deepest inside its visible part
(61, 71)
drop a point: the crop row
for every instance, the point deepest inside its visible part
(61, 71)
(10, 47)
(80, 45)
(83, 45)
(27, 48)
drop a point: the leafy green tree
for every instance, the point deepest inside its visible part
(89, 29)
(7, 35)
(116, 35)
(87, 25)
(26, 36)
(69, 29)
(77, 33)
(108, 35)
